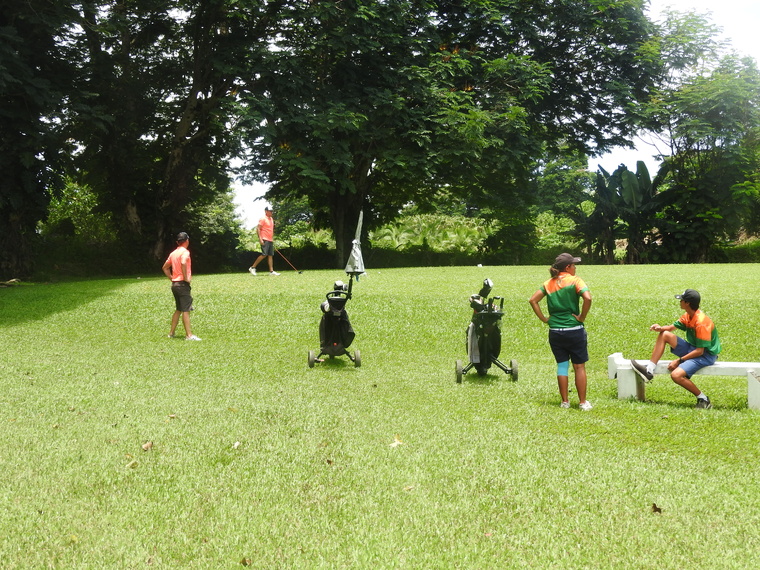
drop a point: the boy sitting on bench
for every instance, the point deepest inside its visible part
(700, 349)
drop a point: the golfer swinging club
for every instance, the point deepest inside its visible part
(265, 230)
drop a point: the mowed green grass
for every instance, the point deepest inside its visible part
(258, 460)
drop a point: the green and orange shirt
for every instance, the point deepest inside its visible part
(563, 295)
(700, 331)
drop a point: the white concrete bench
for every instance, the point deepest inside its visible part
(630, 384)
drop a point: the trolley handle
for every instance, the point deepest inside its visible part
(333, 294)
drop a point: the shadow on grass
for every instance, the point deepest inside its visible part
(727, 403)
(730, 405)
(485, 380)
(337, 362)
(35, 301)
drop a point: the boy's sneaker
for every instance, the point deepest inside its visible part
(273, 273)
(170, 336)
(564, 405)
(703, 404)
(642, 371)
(192, 337)
(585, 406)
(252, 270)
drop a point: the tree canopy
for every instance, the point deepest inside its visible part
(353, 105)
(371, 104)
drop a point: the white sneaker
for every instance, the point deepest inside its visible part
(585, 406)
(192, 337)
(273, 273)
(252, 270)
(564, 405)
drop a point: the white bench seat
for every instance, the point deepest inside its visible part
(631, 385)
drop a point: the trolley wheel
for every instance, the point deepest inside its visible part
(357, 358)
(312, 359)
(513, 365)
(458, 369)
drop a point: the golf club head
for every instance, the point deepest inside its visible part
(486, 290)
(476, 302)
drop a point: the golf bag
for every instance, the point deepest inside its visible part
(484, 335)
(335, 331)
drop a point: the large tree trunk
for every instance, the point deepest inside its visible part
(345, 215)
(15, 246)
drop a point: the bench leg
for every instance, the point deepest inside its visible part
(753, 390)
(630, 385)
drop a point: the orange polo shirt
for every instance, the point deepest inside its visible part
(177, 258)
(266, 228)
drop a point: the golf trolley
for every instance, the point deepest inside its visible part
(335, 331)
(484, 335)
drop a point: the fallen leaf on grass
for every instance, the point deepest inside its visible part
(396, 441)
(409, 488)
(132, 464)
(147, 446)
(329, 461)
(172, 416)
(656, 509)
(246, 562)
(236, 445)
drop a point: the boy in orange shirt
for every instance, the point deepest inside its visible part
(178, 269)
(266, 239)
(700, 349)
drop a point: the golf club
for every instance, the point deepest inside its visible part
(288, 262)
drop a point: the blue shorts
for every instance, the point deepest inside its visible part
(693, 364)
(569, 344)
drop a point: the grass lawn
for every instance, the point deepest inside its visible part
(121, 448)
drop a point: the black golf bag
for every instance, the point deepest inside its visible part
(335, 331)
(484, 335)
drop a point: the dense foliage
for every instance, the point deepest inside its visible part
(368, 105)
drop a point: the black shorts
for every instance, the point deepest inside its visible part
(267, 248)
(569, 344)
(183, 301)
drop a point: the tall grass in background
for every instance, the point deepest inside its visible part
(122, 448)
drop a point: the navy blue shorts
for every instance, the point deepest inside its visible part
(569, 344)
(183, 301)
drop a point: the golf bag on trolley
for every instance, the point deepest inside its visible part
(484, 335)
(335, 331)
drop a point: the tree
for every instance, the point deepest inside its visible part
(34, 77)
(154, 106)
(638, 207)
(372, 104)
(713, 125)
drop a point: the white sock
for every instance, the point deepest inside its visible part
(702, 396)
(651, 366)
